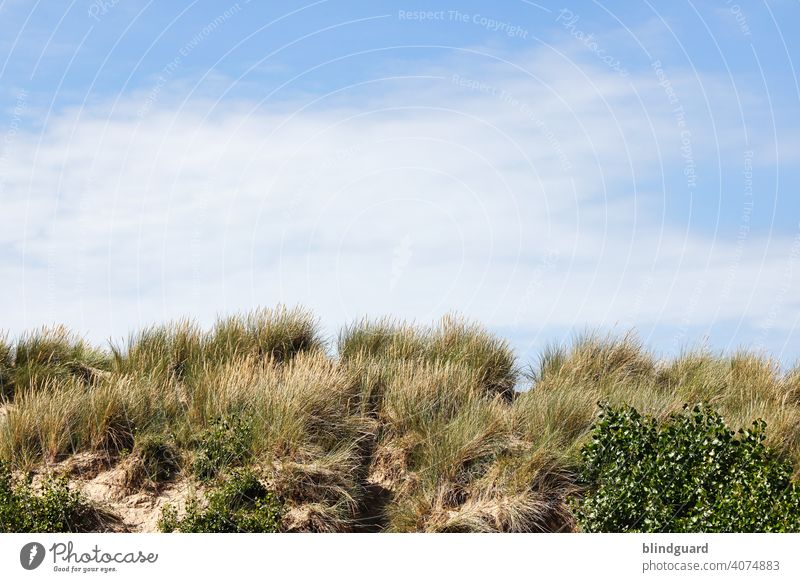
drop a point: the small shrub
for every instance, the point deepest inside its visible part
(50, 508)
(689, 473)
(159, 457)
(225, 444)
(155, 459)
(240, 505)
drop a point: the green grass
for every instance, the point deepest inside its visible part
(181, 350)
(452, 340)
(47, 355)
(6, 369)
(403, 428)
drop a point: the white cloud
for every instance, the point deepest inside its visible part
(531, 200)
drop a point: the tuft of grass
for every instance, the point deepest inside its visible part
(452, 340)
(68, 417)
(6, 369)
(597, 359)
(163, 353)
(276, 335)
(420, 395)
(457, 341)
(453, 457)
(555, 415)
(381, 338)
(182, 350)
(48, 355)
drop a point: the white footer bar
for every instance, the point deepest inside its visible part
(354, 557)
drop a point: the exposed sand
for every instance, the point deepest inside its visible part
(104, 486)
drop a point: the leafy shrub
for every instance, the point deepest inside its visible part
(689, 473)
(155, 459)
(51, 508)
(240, 505)
(225, 444)
(158, 455)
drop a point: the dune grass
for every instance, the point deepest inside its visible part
(181, 349)
(452, 340)
(403, 428)
(45, 355)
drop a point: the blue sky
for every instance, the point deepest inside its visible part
(545, 168)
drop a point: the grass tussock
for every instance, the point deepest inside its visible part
(182, 350)
(453, 340)
(45, 356)
(455, 460)
(406, 428)
(6, 369)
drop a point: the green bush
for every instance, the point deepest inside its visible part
(159, 456)
(225, 444)
(240, 505)
(689, 473)
(50, 508)
(155, 459)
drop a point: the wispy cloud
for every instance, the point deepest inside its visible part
(529, 196)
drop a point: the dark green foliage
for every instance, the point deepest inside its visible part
(159, 457)
(240, 505)
(156, 457)
(225, 444)
(689, 473)
(51, 508)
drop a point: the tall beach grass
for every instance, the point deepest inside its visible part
(403, 428)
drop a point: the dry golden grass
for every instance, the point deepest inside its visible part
(407, 428)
